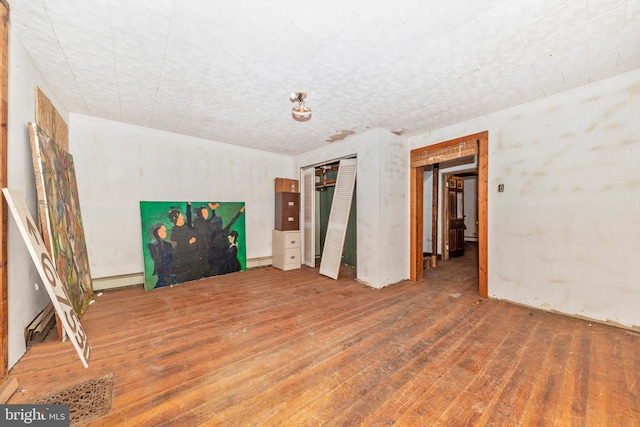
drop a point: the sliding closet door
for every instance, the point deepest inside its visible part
(338, 219)
(308, 212)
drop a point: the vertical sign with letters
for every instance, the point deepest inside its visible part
(46, 269)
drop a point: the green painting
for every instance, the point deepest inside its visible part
(185, 241)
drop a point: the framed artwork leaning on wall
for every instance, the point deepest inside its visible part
(186, 241)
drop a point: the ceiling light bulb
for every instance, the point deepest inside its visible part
(300, 112)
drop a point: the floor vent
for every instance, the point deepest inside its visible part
(87, 400)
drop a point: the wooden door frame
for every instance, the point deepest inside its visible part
(417, 207)
(4, 210)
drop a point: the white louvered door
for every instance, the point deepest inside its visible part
(308, 216)
(338, 218)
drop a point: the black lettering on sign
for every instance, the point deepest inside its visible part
(86, 351)
(63, 299)
(47, 271)
(81, 338)
(32, 229)
(47, 266)
(71, 320)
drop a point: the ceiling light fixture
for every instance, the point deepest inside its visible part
(300, 113)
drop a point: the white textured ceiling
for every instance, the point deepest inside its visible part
(223, 69)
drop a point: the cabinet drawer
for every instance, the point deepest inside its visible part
(292, 256)
(291, 240)
(288, 221)
(287, 200)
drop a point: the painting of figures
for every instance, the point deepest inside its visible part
(60, 218)
(185, 241)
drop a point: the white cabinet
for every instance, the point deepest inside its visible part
(286, 249)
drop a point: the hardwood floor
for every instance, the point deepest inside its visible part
(266, 347)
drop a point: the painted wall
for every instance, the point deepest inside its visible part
(383, 202)
(118, 165)
(563, 235)
(24, 300)
(427, 200)
(471, 208)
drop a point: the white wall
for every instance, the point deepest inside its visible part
(24, 301)
(382, 202)
(427, 208)
(471, 208)
(394, 196)
(563, 235)
(118, 165)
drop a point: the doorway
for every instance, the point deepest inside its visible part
(459, 217)
(434, 155)
(325, 191)
(324, 185)
(453, 216)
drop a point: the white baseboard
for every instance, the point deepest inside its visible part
(134, 279)
(259, 262)
(122, 281)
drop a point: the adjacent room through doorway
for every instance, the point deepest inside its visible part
(437, 181)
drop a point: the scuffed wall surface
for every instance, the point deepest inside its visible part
(119, 165)
(368, 202)
(394, 201)
(564, 236)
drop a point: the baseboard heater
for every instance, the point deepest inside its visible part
(135, 279)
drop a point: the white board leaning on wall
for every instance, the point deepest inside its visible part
(56, 290)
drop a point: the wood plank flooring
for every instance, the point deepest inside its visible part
(266, 347)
